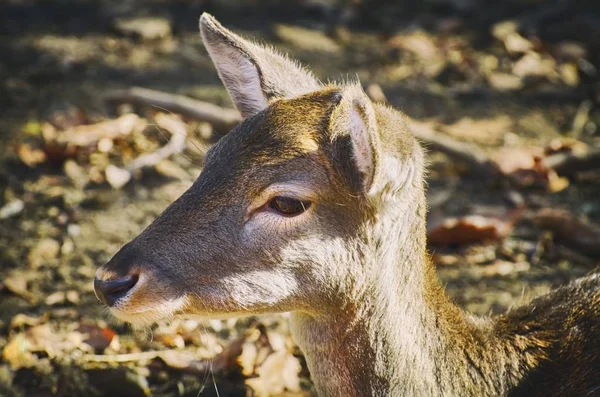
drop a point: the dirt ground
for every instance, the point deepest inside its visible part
(516, 80)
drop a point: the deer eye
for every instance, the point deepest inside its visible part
(288, 206)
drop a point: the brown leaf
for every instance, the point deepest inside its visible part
(16, 352)
(567, 228)
(97, 337)
(30, 155)
(278, 373)
(525, 167)
(468, 230)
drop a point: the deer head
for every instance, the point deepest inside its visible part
(277, 218)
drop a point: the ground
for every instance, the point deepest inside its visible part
(461, 67)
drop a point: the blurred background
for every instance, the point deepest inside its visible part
(107, 108)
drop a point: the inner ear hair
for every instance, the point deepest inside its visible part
(354, 117)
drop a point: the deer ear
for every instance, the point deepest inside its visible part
(254, 75)
(354, 117)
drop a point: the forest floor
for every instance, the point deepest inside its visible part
(517, 82)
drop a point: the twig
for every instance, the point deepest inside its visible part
(479, 162)
(440, 142)
(222, 119)
(175, 145)
(122, 358)
(567, 164)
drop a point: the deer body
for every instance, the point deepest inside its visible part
(315, 205)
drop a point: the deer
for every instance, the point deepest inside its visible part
(314, 204)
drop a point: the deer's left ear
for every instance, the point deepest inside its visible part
(354, 117)
(253, 74)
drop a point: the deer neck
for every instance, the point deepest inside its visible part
(396, 333)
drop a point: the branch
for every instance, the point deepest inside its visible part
(175, 145)
(222, 119)
(471, 155)
(569, 163)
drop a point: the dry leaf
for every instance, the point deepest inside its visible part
(31, 156)
(16, 352)
(526, 168)
(98, 338)
(23, 320)
(55, 298)
(11, 208)
(46, 250)
(278, 373)
(18, 286)
(467, 230)
(504, 268)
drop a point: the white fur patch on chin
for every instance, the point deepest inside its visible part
(260, 287)
(160, 311)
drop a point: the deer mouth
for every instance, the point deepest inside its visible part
(147, 315)
(138, 300)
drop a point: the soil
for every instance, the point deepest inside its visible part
(59, 59)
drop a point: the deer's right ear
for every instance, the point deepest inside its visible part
(354, 117)
(253, 75)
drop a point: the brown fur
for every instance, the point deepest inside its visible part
(367, 308)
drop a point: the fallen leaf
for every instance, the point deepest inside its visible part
(278, 373)
(468, 229)
(96, 337)
(571, 230)
(18, 286)
(11, 208)
(73, 297)
(45, 251)
(16, 352)
(525, 168)
(30, 155)
(504, 268)
(55, 298)
(23, 320)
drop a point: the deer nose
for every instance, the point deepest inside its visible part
(110, 291)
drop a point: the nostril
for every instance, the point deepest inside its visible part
(110, 291)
